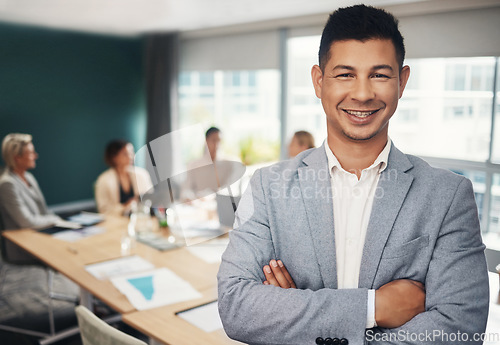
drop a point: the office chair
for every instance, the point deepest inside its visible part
(95, 331)
(5, 266)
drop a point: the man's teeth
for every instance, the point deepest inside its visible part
(360, 113)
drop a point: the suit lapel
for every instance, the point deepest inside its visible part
(391, 192)
(314, 179)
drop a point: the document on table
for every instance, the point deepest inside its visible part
(75, 235)
(111, 268)
(87, 218)
(211, 251)
(205, 317)
(154, 288)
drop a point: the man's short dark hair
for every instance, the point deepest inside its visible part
(360, 23)
(210, 131)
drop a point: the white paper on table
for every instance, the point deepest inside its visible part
(205, 317)
(207, 228)
(211, 251)
(154, 288)
(75, 235)
(110, 268)
(87, 218)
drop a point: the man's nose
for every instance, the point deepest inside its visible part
(362, 90)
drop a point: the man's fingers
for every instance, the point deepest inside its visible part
(270, 278)
(278, 274)
(287, 275)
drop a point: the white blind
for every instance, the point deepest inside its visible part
(453, 34)
(247, 51)
(448, 34)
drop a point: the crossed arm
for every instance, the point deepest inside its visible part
(396, 302)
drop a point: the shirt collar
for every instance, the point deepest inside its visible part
(380, 161)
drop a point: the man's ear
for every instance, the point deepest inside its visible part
(317, 79)
(403, 79)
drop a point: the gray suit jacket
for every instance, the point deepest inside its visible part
(22, 207)
(423, 226)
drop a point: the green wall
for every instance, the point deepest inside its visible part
(73, 92)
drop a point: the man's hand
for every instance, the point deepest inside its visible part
(277, 275)
(398, 302)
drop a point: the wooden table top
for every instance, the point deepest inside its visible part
(70, 258)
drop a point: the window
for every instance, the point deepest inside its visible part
(449, 114)
(451, 102)
(239, 103)
(496, 138)
(304, 108)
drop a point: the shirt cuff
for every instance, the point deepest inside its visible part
(370, 315)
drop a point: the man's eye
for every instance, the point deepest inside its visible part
(344, 75)
(379, 75)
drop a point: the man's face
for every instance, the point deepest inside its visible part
(360, 88)
(213, 141)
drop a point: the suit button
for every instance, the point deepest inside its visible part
(344, 341)
(320, 341)
(328, 341)
(335, 341)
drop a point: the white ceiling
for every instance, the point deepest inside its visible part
(131, 17)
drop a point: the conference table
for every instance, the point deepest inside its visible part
(161, 324)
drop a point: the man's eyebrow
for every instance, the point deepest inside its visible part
(350, 68)
(377, 67)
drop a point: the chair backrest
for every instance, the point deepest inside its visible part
(94, 331)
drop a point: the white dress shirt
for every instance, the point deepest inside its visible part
(352, 206)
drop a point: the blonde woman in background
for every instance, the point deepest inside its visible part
(301, 141)
(22, 204)
(119, 187)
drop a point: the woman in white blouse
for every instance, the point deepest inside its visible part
(123, 183)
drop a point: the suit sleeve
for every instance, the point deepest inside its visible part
(14, 205)
(263, 314)
(457, 289)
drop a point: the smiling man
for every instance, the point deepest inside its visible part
(355, 242)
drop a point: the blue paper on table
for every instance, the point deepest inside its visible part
(144, 285)
(154, 288)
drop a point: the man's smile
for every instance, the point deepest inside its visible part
(360, 113)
